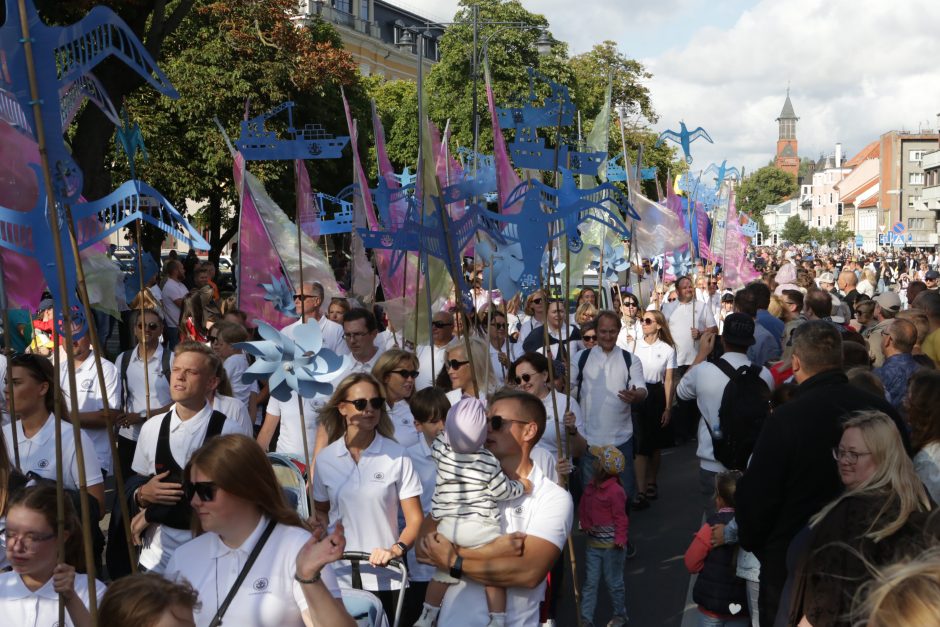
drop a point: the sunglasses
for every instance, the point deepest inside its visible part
(150, 326)
(205, 490)
(536, 301)
(455, 364)
(303, 296)
(499, 326)
(524, 377)
(496, 422)
(406, 374)
(589, 338)
(437, 324)
(630, 305)
(648, 321)
(361, 403)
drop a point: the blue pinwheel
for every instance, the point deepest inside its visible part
(615, 261)
(505, 263)
(679, 263)
(299, 365)
(279, 293)
(556, 267)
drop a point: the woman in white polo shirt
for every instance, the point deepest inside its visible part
(29, 594)
(361, 479)
(238, 505)
(398, 370)
(461, 375)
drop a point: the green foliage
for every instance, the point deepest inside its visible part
(397, 104)
(766, 186)
(795, 231)
(839, 233)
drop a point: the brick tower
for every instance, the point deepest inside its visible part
(787, 158)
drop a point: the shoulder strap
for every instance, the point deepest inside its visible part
(628, 360)
(163, 460)
(726, 368)
(216, 421)
(217, 619)
(582, 360)
(125, 359)
(166, 363)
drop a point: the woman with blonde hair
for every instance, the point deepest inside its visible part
(586, 312)
(398, 370)
(905, 594)
(240, 510)
(361, 479)
(536, 308)
(478, 380)
(879, 516)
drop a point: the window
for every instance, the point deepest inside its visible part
(364, 10)
(917, 155)
(914, 202)
(916, 178)
(916, 223)
(840, 208)
(818, 220)
(343, 5)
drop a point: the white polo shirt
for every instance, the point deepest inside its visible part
(136, 399)
(366, 497)
(427, 374)
(172, 290)
(236, 411)
(546, 513)
(426, 469)
(498, 369)
(331, 332)
(235, 366)
(608, 420)
(24, 608)
(268, 597)
(630, 335)
(549, 439)
(679, 317)
(706, 383)
(656, 359)
(90, 398)
(290, 439)
(185, 437)
(37, 454)
(404, 422)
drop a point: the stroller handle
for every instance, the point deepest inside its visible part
(394, 564)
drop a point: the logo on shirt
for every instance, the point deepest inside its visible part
(260, 584)
(519, 510)
(86, 384)
(43, 463)
(378, 476)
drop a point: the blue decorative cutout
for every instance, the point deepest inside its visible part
(722, 172)
(749, 229)
(132, 280)
(342, 219)
(279, 293)
(131, 141)
(684, 137)
(503, 262)
(406, 178)
(300, 365)
(615, 262)
(616, 172)
(647, 174)
(256, 143)
(680, 262)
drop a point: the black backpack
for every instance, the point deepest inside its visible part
(745, 404)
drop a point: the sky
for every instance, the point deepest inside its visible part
(855, 68)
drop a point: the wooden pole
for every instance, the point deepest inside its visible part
(303, 320)
(59, 478)
(140, 272)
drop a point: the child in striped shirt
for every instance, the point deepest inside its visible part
(469, 483)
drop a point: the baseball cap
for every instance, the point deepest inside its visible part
(738, 329)
(889, 300)
(45, 304)
(610, 457)
(465, 428)
(932, 274)
(826, 277)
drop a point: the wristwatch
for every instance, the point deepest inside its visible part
(403, 547)
(456, 571)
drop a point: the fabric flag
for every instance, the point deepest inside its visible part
(362, 283)
(738, 271)
(306, 213)
(721, 218)
(695, 224)
(506, 178)
(659, 231)
(398, 209)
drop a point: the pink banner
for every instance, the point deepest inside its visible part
(738, 271)
(306, 212)
(506, 178)
(397, 209)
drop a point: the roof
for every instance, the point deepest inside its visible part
(869, 203)
(858, 192)
(787, 112)
(871, 151)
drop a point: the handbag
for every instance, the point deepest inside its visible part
(219, 613)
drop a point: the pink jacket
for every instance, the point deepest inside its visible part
(602, 512)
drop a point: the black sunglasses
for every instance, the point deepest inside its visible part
(303, 296)
(496, 422)
(648, 321)
(205, 490)
(499, 326)
(536, 301)
(523, 377)
(437, 324)
(150, 326)
(406, 374)
(589, 338)
(360, 403)
(454, 364)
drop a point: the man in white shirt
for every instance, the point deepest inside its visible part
(360, 330)
(538, 525)
(95, 421)
(431, 357)
(308, 302)
(502, 353)
(163, 449)
(173, 294)
(606, 386)
(705, 383)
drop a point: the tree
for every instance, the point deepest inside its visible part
(795, 231)
(832, 235)
(766, 186)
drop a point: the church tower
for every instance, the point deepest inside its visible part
(787, 158)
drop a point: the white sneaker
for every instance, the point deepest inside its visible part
(428, 616)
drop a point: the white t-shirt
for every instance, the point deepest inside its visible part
(426, 469)
(629, 335)
(37, 454)
(427, 374)
(268, 597)
(23, 608)
(90, 398)
(235, 366)
(236, 411)
(549, 439)
(136, 398)
(679, 316)
(706, 384)
(656, 358)
(185, 437)
(366, 497)
(498, 369)
(290, 439)
(173, 290)
(608, 420)
(546, 513)
(404, 423)
(331, 332)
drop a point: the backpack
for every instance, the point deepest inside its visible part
(125, 359)
(582, 360)
(745, 404)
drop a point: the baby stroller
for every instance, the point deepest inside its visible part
(365, 607)
(291, 475)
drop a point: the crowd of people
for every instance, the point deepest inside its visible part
(811, 396)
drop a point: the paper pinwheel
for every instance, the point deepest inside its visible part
(505, 263)
(615, 261)
(679, 263)
(279, 293)
(300, 365)
(552, 271)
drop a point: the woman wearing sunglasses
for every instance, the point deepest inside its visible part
(493, 324)
(240, 510)
(561, 336)
(29, 594)
(631, 329)
(536, 306)
(657, 352)
(361, 479)
(461, 375)
(398, 370)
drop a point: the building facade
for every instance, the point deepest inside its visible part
(901, 193)
(858, 193)
(787, 158)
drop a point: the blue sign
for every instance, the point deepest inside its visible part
(859, 241)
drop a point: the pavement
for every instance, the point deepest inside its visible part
(658, 587)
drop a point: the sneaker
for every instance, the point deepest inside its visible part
(640, 503)
(618, 621)
(550, 623)
(631, 550)
(428, 616)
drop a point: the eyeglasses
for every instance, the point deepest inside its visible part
(455, 364)
(150, 326)
(536, 301)
(205, 490)
(589, 338)
(850, 457)
(671, 299)
(27, 541)
(303, 296)
(355, 335)
(633, 305)
(496, 422)
(360, 403)
(524, 378)
(648, 320)
(437, 324)
(406, 374)
(499, 326)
